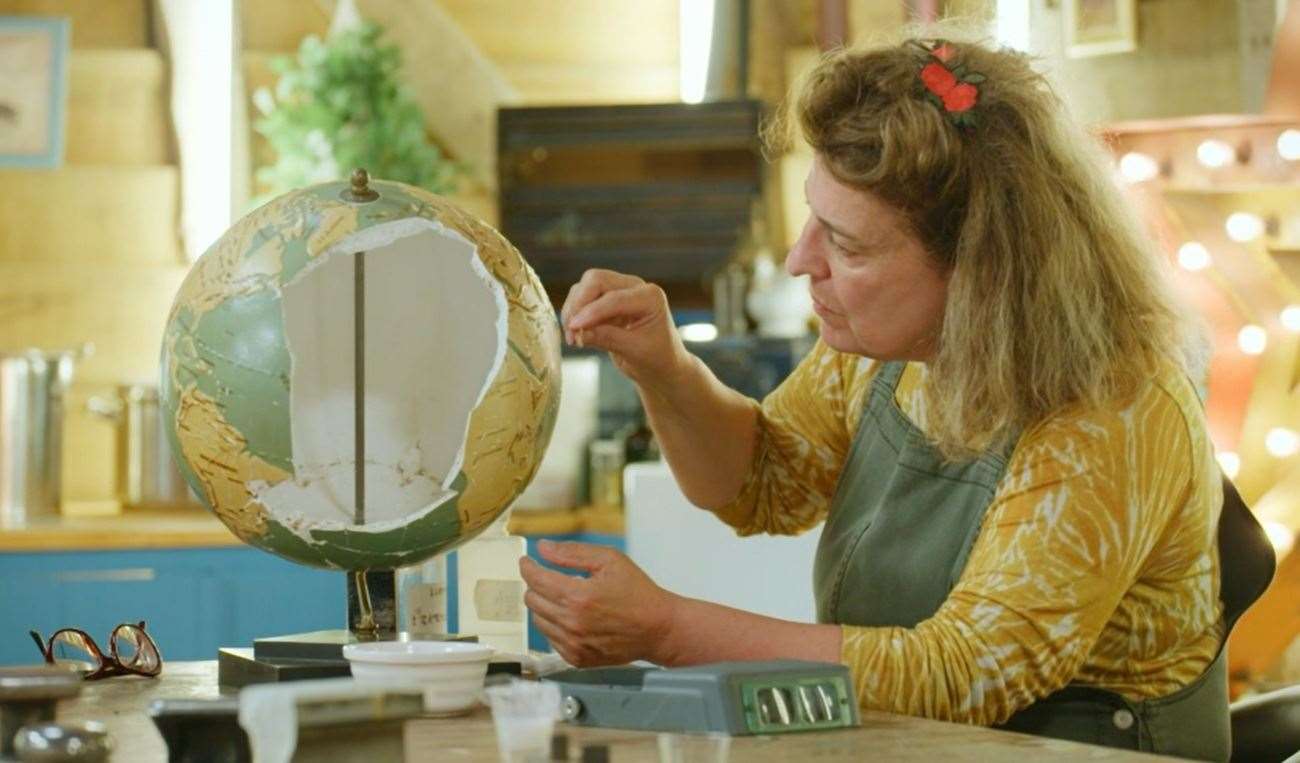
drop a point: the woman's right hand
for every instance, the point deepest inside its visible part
(629, 319)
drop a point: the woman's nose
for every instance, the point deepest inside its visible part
(804, 257)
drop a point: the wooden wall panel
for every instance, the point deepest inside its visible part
(555, 84)
(456, 86)
(121, 309)
(280, 24)
(95, 23)
(593, 33)
(118, 108)
(89, 447)
(90, 214)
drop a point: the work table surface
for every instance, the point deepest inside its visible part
(196, 528)
(121, 703)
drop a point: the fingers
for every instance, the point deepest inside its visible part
(561, 641)
(593, 283)
(579, 556)
(553, 585)
(543, 607)
(604, 619)
(591, 286)
(576, 650)
(608, 337)
(629, 303)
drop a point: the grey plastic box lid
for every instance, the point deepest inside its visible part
(735, 698)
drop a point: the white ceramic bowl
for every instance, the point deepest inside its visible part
(450, 672)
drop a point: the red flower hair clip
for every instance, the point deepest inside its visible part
(953, 90)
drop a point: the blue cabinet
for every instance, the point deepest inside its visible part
(192, 600)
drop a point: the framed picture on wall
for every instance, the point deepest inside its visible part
(33, 90)
(1100, 27)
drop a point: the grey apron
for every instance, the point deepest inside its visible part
(899, 532)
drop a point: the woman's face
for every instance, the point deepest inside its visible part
(874, 286)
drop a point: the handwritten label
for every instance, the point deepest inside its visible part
(424, 609)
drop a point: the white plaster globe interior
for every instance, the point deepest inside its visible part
(450, 672)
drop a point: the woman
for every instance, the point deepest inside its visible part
(997, 426)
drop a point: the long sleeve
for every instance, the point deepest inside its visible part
(1095, 563)
(803, 438)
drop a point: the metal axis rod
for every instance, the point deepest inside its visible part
(359, 380)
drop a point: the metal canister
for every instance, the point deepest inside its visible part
(32, 387)
(146, 477)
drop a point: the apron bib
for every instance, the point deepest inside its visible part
(896, 539)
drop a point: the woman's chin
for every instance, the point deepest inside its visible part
(840, 339)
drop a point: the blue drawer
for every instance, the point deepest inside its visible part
(192, 600)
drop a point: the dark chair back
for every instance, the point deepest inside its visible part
(1266, 727)
(1246, 558)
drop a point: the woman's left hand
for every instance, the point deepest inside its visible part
(614, 616)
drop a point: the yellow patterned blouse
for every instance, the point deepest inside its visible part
(1096, 562)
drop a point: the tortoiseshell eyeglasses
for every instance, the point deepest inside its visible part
(131, 651)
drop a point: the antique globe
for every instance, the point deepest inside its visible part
(359, 375)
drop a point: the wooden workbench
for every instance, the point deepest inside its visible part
(120, 704)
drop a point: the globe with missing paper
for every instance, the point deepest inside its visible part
(359, 376)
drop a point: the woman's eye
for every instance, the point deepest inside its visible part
(842, 248)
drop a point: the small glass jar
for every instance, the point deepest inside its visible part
(607, 459)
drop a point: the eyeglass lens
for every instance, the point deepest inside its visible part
(70, 648)
(134, 649)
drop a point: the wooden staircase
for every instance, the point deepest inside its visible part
(89, 252)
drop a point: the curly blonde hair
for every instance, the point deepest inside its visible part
(1056, 295)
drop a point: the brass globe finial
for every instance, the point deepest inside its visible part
(360, 192)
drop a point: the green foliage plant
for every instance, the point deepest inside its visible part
(339, 104)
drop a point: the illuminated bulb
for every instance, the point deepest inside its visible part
(1230, 463)
(699, 332)
(1252, 339)
(1288, 145)
(1215, 154)
(1193, 256)
(1290, 317)
(1137, 167)
(1243, 226)
(1282, 442)
(1280, 536)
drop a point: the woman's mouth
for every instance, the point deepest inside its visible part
(822, 310)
